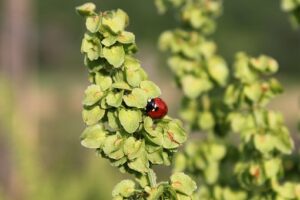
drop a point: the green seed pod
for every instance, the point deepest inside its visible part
(115, 107)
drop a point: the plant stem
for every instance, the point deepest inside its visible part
(152, 178)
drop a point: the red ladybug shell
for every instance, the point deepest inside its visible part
(156, 108)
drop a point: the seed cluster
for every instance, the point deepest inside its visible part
(240, 156)
(114, 110)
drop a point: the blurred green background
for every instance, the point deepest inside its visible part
(42, 79)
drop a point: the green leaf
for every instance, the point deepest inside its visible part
(151, 89)
(132, 148)
(168, 41)
(137, 98)
(133, 71)
(109, 41)
(243, 72)
(193, 87)
(149, 126)
(92, 95)
(174, 135)
(94, 54)
(113, 120)
(218, 70)
(135, 76)
(91, 46)
(283, 141)
(182, 197)
(206, 120)
(125, 188)
(130, 119)
(103, 81)
(153, 133)
(86, 9)
(113, 147)
(167, 158)
(237, 121)
(275, 86)
(126, 37)
(253, 92)
(94, 65)
(265, 64)
(272, 167)
(208, 49)
(286, 191)
(288, 5)
(156, 157)
(160, 4)
(121, 85)
(217, 151)
(196, 17)
(93, 23)
(118, 163)
(118, 76)
(150, 148)
(92, 116)
(93, 137)
(211, 172)
(275, 120)
(264, 143)
(116, 21)
(183, 183)
(118, 198)
(232, 95)
(114, 55)
(142, 180)
(86, 45)
(131, 63)
(114, 99)
(140, 164)
(155, 137)
(103, 103)
(180, 66)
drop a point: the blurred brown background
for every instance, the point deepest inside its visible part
(42, 79)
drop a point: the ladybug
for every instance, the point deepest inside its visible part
(156, 108)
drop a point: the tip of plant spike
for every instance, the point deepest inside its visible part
(86, 9)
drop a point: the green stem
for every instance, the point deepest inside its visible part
(152, 178)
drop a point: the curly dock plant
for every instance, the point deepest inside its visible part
(114, 111)
(240, 156)
(199, 71)
(292, 7)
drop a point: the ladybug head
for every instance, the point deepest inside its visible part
(151, 106)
